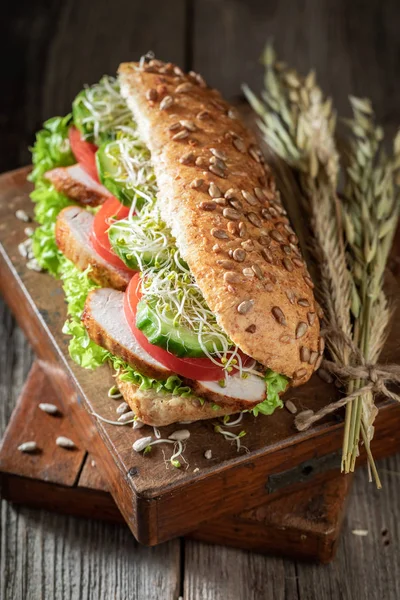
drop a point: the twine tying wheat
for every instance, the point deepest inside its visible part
(377, 377)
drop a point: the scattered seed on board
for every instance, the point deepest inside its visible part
(325, 376)
(28, 447)
(23, 250)
(33, 265)
(180, 435)
(29, 231)
(126, 417)
(141, 443)
(208, 454)
(50, 409)
(137, 424)
(122, 408)
(290, 407)
(65, 442)
(22, 216)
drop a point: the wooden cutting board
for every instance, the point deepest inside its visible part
(159, 503)
(301, 524)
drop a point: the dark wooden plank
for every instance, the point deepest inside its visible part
(53, 48)
(44, 555)
(353, 46)
(28, 423)
(162, 503)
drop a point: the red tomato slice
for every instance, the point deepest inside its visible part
(84, 152)
(112, 210)
(199, 369)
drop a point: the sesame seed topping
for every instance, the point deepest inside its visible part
(254, 219)
(318, 363)
(303, 302)
(236, 204)
(220, 234)
(308, 281)
(313, 357)
(214, 190)
(248, 245)
(231, 277)
(232, 114)
(152, 95)
(245, 306)
(216, 248)
(278, 315)
(287, 263)
(267, 255)
(218, 153)
(232, 228)
(264, 240)
(203, 115)
(265, 214)
(248, 196)
(181, 135)
(174, 127)
(239, 255)
(242, 229)
(231, 213)
(217, 162)
(209, 206)
(304, 354)
(217, 171)
(259, 194)
(166, 102)
(239, 144)
(231, 194)
(225, 264)
(311, 316)
(268, 286)
(257, 271)
(187, 158)
(248, 272)
(255, 153)
(293, 239)
(321, 345)
(221, 201)
(301, 329)
(291, 296)
(298, 262)
(189, 125)
(276, 235)
(299, 374)
(196, 183)
(183, 88)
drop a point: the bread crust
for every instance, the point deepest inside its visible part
(220, 201)
(73, 227)
(159, 409)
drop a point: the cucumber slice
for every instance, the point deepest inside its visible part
(161, 331)
(113, 173)
(137, 245)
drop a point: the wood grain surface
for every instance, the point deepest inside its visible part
(48, 50)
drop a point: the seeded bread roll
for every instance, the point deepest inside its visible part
(220, 201)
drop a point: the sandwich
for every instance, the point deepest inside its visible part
(179, 264)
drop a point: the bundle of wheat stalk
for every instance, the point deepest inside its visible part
(352, 232)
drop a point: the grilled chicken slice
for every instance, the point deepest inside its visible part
(73, 228)
(77, 185)
(106, 324)
(249, 391)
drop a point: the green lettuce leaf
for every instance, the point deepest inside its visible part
(51, 149)
(276, 384)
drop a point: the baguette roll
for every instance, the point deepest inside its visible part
(220, 201)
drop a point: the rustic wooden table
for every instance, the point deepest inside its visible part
(49, 49)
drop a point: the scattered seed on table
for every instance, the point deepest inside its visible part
(50, 409)
(138, 424)
(141, 443)
(28, 447)
(22, 216)
(65, 442)
(290, 407)
(126, 417)
(122, 408)
(33, 265)
(180, 435)
(208, 454)
(29, 231)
